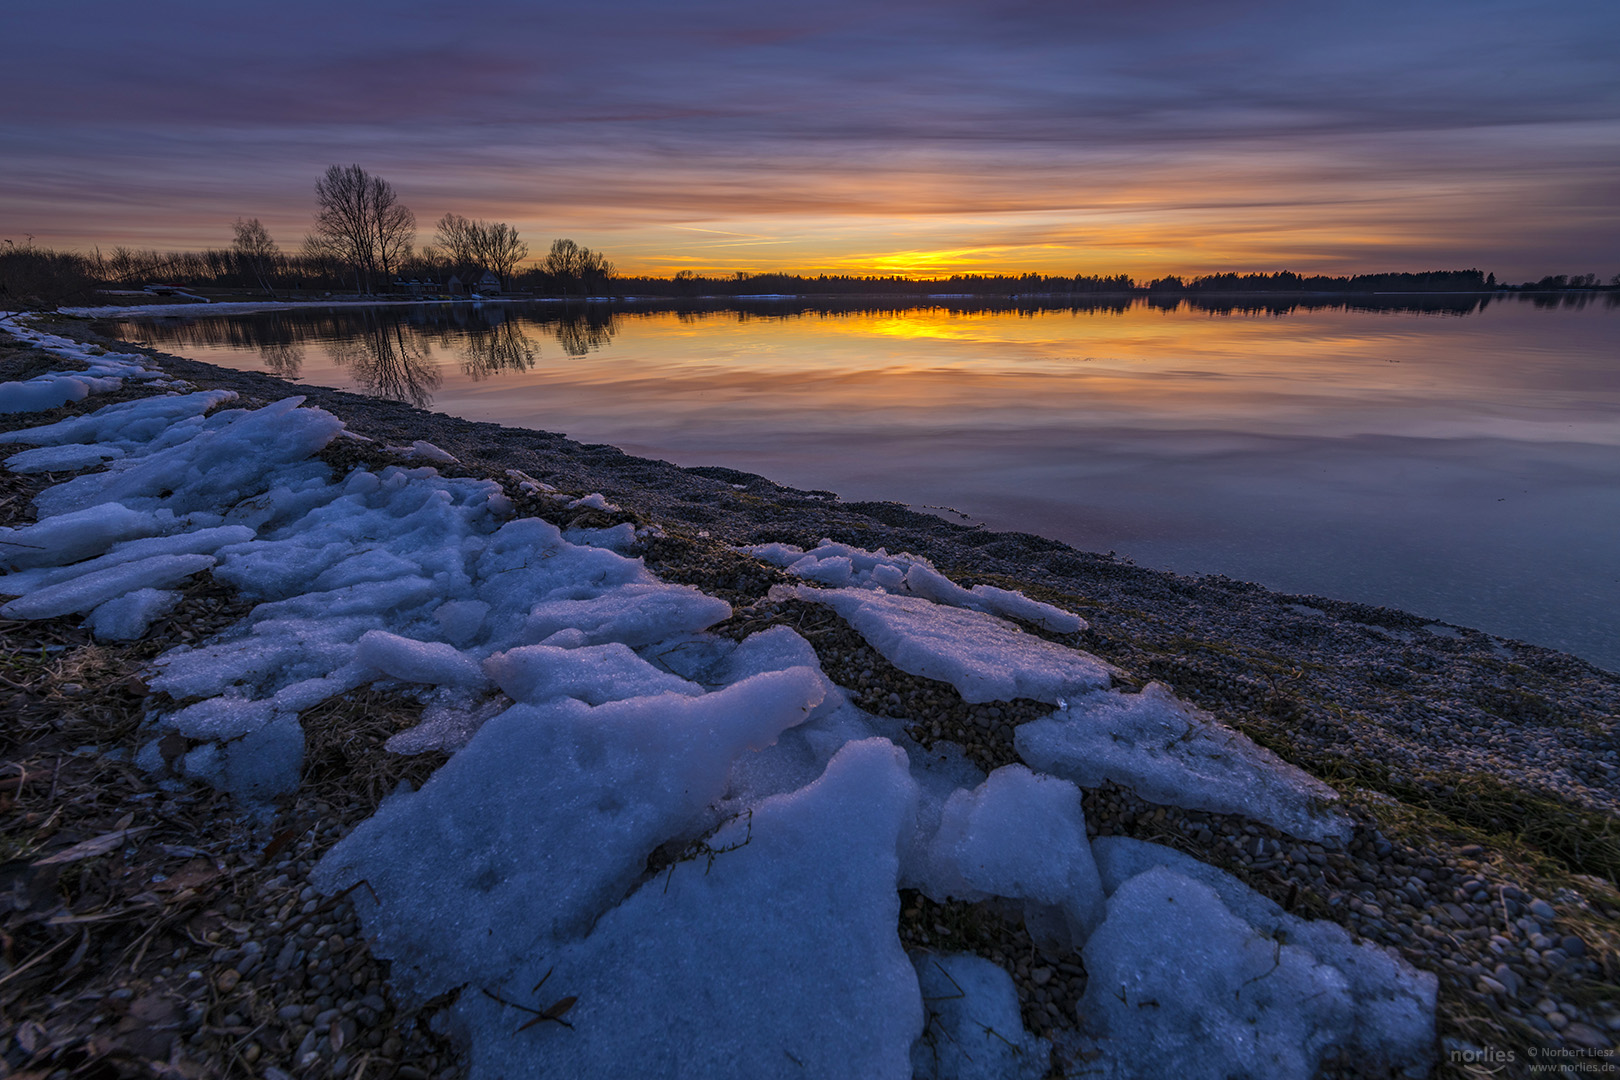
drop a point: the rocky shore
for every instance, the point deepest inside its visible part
(152, 931)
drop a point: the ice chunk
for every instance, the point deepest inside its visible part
(265, 762)
(974, 1029)
(594, 674)
(778, 958)
(126, 425)
(48, 391)
(1180, 985)
(835, 570)
(1392, 1024)
(204, 541)
(444, 727)
(127, 618)
(216, 469)
(620, 538)
(94, 589)
(425, 450)
(939, 771)
(220, 718)
(634, 615)
(1020, 836)
(460, 620)
(61, 458)
(544, 819)
(985, 658)
(1170, 753)
(71, 537)
(418, 661)
(838, 565)
(1016, 605)
(594, 501)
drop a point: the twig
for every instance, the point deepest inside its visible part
(30, 963)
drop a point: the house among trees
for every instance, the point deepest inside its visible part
(483, 282)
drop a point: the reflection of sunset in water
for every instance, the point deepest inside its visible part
(1459, 466)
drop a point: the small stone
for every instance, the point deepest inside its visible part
(1588, 1037)
(1491, 986)
(226, 980)
(1509, 979)
(1573, 945)
(1543, 910)
(1558, 1020)
(1041, 976)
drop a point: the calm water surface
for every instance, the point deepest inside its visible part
(1462, 463)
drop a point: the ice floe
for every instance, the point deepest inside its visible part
(840, 565)
(974, 1031)
(1169, 752)
(983, 657)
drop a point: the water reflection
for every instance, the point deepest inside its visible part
(496, 349)
(388, 362)
(582, 332)
(1453, 455)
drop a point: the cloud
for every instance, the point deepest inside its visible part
(723, 115)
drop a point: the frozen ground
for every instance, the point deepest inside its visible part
(596, 721)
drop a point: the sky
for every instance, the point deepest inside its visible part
(883, 136)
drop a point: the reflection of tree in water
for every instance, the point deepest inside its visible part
(389, 362)
(578, 332)
(284, 359)
(501, 346)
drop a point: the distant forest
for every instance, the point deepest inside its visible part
(40, 277)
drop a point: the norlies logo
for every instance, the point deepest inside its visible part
(1491, 1059)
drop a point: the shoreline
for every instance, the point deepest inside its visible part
(1429, 737)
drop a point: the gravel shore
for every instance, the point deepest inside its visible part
(1482, 773)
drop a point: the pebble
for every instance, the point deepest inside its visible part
(1543, 910)
(1587, 1037)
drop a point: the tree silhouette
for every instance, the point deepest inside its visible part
(256, 251)
(571, 265)
(360, 222)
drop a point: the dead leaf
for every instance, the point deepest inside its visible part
(279, 841)
(194, 875)
(89, 849)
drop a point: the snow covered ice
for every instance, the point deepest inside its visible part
(840, 565)
(600, 727)
(1019, 836)
(1170, 753)
(974, 1030)
(983, 657)
(777, 958)
(1194, 975)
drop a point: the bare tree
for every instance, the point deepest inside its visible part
(256, 250)
(458, 241)
(361, 222)
(501, 249)
(486, 245)
(570, 265)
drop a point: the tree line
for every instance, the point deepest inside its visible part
(363, 239)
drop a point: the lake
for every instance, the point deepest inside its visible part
(1452, 456)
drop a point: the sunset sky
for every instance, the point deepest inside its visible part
(895, 137)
